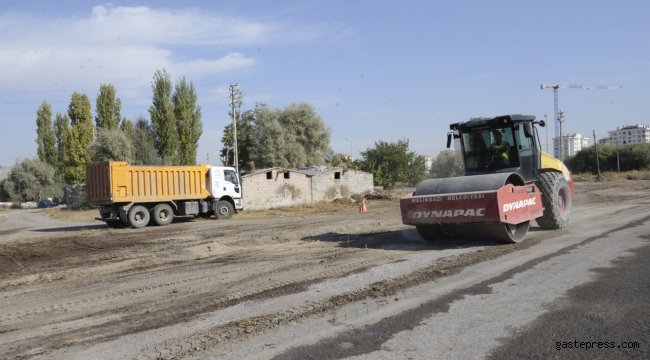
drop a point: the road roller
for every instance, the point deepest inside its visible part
(508, 182)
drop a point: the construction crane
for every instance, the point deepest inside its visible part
(557, 113)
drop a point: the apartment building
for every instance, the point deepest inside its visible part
(630, 134)
(571, 144)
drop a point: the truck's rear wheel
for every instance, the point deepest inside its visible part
(162, 214)
(224, 210)
(139, 216)
(556, 198)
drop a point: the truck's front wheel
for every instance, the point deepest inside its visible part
(224, 210)
(139, 216)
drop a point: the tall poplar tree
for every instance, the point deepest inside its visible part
(77, 147)
(188, 122)
(61, 130)
(108, 108)
(162, 116)
(46, 138)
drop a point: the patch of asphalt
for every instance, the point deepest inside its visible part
(371, 338)
(606, 318)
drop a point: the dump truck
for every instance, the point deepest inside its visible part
(135, 196)
(508, 182)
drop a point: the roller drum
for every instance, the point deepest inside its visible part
(500, 232)
(465, 184)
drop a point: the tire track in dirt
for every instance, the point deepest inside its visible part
(92, 304)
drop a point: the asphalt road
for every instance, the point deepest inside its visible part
(582, 295)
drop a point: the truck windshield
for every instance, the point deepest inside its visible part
(231, 176)
(488, 149)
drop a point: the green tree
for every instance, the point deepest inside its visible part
(111, 144)
(61, 130)
(188, 122)
(162, 116)
(77, 147)
(127, 126)
(37, 182)
(293, 137)
(634, 157)
(269, 139)
(144, 145)
(393, 164)
(585, 160)
(306, 133)
(46, 138)
(107, 107)
(448, 164)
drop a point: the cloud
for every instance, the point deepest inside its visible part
(129, 43)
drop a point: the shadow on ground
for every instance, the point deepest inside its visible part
(401, 240)
(71, 228)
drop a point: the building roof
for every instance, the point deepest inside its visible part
(311, 171)
(630, 127)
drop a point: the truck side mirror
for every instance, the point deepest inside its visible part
(449, 134)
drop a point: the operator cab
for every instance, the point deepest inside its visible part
(503, 144)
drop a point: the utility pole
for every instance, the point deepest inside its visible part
(618, 162)
(596, 148)
(20, 196)
(235, 98)
(560, 120)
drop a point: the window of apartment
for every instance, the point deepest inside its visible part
(269, 175)
(286, 174)
(337, 175)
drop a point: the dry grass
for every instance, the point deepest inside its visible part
(338, 205)
(322, 207)
(62, 213)
(611, 176)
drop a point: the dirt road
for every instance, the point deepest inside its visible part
(198, 289)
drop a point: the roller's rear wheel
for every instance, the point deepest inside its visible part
(556, 198)
(504, 233)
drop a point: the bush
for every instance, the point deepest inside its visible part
(634, 157)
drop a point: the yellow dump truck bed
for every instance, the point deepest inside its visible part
(112, 182)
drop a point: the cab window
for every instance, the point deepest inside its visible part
(231, 176)
(523, 141)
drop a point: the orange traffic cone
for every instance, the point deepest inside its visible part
(362, 206)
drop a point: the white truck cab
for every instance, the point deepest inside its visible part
(225, 185)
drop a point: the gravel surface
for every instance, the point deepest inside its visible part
(255, 287)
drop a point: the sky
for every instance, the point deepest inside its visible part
(373, 70)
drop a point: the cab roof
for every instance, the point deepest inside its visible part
(489, 122)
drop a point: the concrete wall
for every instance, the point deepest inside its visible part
(338, 183)
(260, 192)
